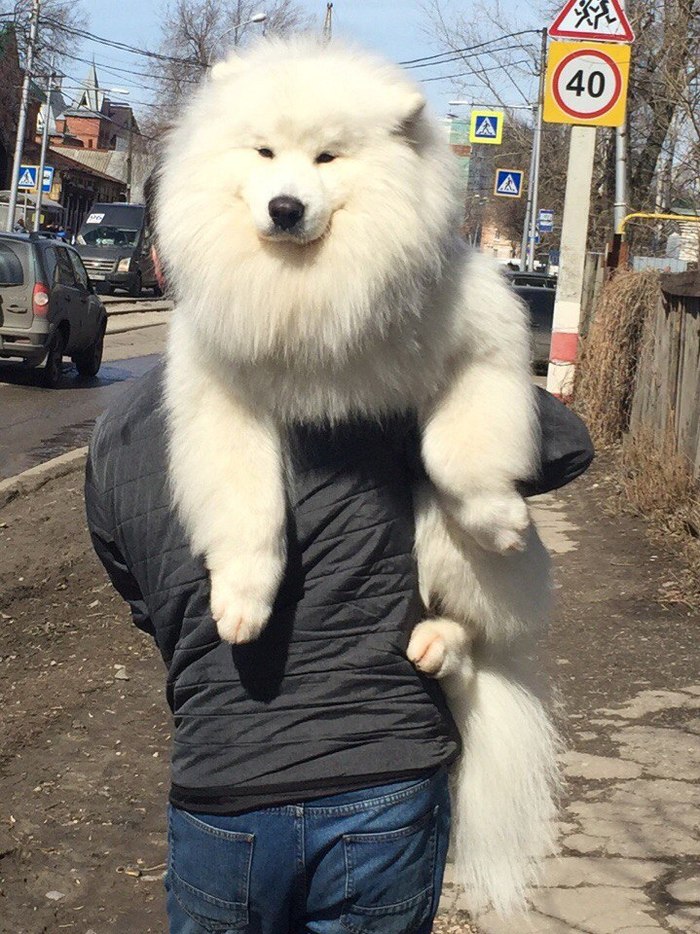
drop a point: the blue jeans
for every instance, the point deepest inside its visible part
(363, 862)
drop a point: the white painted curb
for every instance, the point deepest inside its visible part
(33, 479)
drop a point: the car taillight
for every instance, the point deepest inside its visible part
(40, 300)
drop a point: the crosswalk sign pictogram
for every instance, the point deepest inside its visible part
(509, 183)
(27, 177)
(599, 20)
(486, 126)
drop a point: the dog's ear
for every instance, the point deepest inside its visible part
(227, 68)
(411, 106)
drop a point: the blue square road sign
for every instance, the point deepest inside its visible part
(28, 176)
(509, 183)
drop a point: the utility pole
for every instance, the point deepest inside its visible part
(574, 233)
(130, 155)
(328, 23)
(620, 206)
(527, 248)
(22, 121)
(44, 147)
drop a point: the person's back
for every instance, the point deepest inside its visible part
(318, 749)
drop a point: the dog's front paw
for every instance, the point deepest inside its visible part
(438, 647)
(498, 521)
(239, 615)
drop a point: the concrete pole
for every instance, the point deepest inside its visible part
(527, 247)
(22, 121)
(620, 207)
(44, 147)
(525, 243)
(567, 306)
(535, 177)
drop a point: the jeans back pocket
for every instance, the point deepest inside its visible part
(390, 878)
(209, 872)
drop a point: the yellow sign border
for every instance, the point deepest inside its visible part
(493, 141)
(558, 51)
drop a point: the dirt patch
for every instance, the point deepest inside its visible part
(83, 753)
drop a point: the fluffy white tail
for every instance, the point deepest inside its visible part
(505, 785)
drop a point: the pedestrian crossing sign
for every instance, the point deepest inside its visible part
(509, 183)
(486, 127)
(27, 177)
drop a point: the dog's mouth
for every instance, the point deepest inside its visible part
(299, 236)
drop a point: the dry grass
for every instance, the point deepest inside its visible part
(656, 482)
(653, 479)
(608, 362)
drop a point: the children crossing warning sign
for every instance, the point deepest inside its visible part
(601, 20)
(486, 126)
(509, 183)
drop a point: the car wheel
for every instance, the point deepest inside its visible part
(53, 368)
(89, 361)
(135, 290)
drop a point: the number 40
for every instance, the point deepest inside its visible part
(594, 86)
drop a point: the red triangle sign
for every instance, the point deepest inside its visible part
(600, 20)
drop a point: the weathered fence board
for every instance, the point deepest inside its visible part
(667, 385)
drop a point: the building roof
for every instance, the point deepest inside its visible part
(90, 96)
(74, 159)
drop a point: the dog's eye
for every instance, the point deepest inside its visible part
(324, 157)
(266, 153)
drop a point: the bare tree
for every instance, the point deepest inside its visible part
(53, 40)
(199, 32)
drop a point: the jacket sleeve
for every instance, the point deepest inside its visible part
(566, 449)
(101, 526)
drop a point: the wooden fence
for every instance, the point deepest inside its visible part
(667, 386)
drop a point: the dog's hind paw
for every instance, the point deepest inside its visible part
(438, 647)
(239, 616)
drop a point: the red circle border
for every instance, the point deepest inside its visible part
(597, 113)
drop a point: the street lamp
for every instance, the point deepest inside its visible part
(255, 18)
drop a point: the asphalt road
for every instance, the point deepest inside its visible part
(37, 424)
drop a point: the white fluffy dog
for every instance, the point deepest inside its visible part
(308, 217)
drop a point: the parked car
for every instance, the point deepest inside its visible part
(538, 291)
(48, 307)
(115, 245)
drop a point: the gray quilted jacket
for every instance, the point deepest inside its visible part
(325, 701)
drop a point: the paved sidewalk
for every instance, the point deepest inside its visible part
(630, 858)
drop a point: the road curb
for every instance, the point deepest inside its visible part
(134, 327)
(33, 479)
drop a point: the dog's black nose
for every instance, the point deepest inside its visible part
(286, 212)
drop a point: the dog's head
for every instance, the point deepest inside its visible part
(309, 133)
(300, 173)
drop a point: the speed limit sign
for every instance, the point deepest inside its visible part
(586, 83)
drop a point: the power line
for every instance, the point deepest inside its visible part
(475, 74)
(122, 46)
(471, 48)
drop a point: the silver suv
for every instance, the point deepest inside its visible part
(48, 307)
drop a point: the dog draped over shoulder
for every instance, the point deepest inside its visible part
(308, 215)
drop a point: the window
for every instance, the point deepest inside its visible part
(11, 272)
(64, 268)
(79, 269)
(50, 263)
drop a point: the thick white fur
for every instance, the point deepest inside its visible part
(371, 305)
(506, 783)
